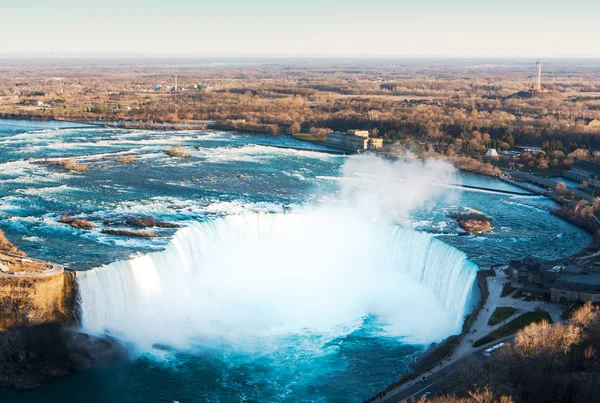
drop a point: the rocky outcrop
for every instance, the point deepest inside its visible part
(472, 221)
(133, 221)
(141, 222)
(76, 222)
(37, 310)
(70, 165)
(178, 151)
(35, 354)
(37, 344)
(129, 232)
(475, 225)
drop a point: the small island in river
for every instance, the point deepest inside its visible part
(472, 221)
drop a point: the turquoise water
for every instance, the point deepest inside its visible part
(349, 365)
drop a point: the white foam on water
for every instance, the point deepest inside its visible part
(253, 153)
(165, 205)
(267, 275)
(29, 173)
(250, 278)
(514, 203)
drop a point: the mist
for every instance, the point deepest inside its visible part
(322, 269)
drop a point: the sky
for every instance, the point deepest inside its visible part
(392, 28)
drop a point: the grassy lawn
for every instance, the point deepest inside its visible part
(500, 314)
(514, 326)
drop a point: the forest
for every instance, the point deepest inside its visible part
(453, 108)
(543, 363)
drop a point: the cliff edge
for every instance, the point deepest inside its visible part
(37, 312)
(34, 292)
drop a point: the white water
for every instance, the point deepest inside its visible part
(238, 279)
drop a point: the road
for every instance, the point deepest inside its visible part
(439, 381)
(443, 375)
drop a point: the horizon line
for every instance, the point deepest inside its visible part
(241, 55)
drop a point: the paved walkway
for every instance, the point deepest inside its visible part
(479, 328)
(50, 269)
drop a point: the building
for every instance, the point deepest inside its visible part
(491, 152)
(528, 149)
(524, 271)
(584, 171)
(354, 140)
(581, 287)
(537, 86)
(511, 154)
(562, 283)
(361, 133)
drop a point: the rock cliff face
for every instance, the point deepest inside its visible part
(37, 310)
(35, 354)
(34, 300)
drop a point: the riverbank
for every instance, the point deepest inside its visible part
(569, 210)
(151, 176)
(432, 359)
(130, 125)
(454, 348)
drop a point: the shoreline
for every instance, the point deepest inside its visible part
(165, 126)
(454, 340)
(430, 359)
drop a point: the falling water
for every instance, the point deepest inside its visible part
(267, 275)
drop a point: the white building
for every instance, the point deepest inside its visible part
(491, 153)
(354, 140)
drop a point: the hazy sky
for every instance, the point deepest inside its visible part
(530, 28)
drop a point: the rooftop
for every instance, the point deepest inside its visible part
(588, 166)
(568, 269)
(584, 282)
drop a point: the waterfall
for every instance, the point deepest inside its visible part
(441, 267)
(270, 275)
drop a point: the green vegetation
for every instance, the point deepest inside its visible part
(514, 326)
(500, 314)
